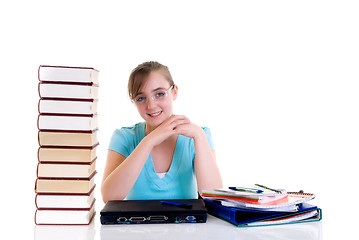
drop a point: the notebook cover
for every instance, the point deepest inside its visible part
(240, 217)
(153, 211)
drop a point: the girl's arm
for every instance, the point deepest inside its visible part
(205, 165)
(121, 173)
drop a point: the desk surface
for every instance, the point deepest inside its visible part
(214, 229)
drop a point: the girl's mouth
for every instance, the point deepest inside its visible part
(155, 114)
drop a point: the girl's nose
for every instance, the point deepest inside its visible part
(150, 103)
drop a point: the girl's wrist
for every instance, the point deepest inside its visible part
(148, 142)
(200, 134)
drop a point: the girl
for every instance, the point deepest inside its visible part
(165, 157)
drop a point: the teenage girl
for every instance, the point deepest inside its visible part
(165, 157)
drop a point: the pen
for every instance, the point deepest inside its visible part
(243, 189)
(271, 189)
(182, 205)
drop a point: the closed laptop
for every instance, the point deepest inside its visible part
(154, 211)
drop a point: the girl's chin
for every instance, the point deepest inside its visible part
(154, 123)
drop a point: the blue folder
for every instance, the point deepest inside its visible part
(242, 217)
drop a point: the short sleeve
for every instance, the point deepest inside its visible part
(207, 131)
(120, 142)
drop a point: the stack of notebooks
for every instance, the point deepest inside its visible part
(259, 205)
(67, 136)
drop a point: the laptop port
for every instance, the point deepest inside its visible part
(137, 219)
(190, 218)
(157, 218)
(121, 219)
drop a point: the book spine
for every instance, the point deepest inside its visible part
(37, 207)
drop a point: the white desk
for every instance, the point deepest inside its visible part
(214, 229)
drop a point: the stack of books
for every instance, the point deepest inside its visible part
(259, 205)
(67, 137)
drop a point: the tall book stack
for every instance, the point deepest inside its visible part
(67, 136)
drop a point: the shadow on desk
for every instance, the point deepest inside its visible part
(214, 229)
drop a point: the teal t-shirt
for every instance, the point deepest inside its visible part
(179, 182)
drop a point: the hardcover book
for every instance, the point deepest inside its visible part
(56, 200)
(68, 106)
(67, 74)
(69, 216)
(65, 185)
(71, 91)
(66, 154)
(67, 122)
(67, 138)
(65, 170)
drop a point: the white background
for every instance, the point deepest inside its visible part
(276, 81)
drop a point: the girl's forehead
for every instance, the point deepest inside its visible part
(154, 81)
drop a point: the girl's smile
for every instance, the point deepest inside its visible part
(156, 114)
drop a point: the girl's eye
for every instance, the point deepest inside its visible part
(160, 94)
(140, 99)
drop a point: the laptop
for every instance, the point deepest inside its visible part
(154, 211)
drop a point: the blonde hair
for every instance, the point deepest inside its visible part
(139, 75)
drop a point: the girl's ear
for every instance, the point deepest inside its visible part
(175, 92)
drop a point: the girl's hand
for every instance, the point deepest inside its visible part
(167, 129)
(190, 130)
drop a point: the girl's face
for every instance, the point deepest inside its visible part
(154, 100)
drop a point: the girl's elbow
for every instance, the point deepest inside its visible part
(107, 196)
